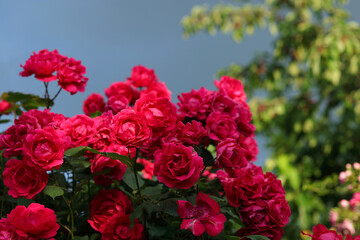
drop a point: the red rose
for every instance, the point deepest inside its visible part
(160, 113)
(273, 232)
(4, 107)
(43, 65)
(205, 216)
(117, 103)
(100, 163)
(229, 154)
(123, 88)
(71, 76)
(106, 204)
(130, 128)
(320, 232)
(159, 88)
(44, 148)
(80, 129)
(102, 137)
(36, 220)
(8, 231)
(177, 166)
(142, 76)
(93, 103)
(251, 147)
(221, 126)
(22, 180)
(118, 228)
(233, 87)
(196, 104)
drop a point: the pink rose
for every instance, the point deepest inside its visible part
(230, 154)
(159, 88)
(320, 232)
(71, 76)
(93, 103)
(177, 166)
(123, 88)
(22, 180)
(102, 136)
(80, 129)
(4, 107)
(205, 216)
(107, 203)
(196, 104)
(142, 76)
(43, 65)
(118, 228)
(160, 113)
(130, 128)
(44, 148)
(117, 103)
(221, 126)
(233, 87)
(36, 220)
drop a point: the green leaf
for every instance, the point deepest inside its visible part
(4, 120)
(79, 163)
(78, 151)
(81, 238)
(53, 191)
(129, 179)
(152, 191)
(169, 206)
(232, 238)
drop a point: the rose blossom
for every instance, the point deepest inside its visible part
(233, 87)
(4, 106)
(273, 232)
(106, 204)
(80, 129)
(71, 76)
(123, 88)
(44, 148)
(130, 128)
(321, 232)
(196, 104)
(22, 180)
(43, 64)
(8, 231)
(221, 126)
(205, 216)
(93, 103)
(177, 166)
(35, 220)
(148, 171)
(159, 88)
(117, 103)
(118, 228)
(142, 76)
(230, 154)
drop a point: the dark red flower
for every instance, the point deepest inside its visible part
(230, 154)
(205, 216)
(118, 228)
(320, 232)
(273, 232)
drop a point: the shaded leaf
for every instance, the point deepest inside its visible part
(53, 191)
(129, 179)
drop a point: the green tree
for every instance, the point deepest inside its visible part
(311, 109)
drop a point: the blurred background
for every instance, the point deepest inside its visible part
(300, 69)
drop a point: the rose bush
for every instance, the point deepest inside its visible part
(134, 166)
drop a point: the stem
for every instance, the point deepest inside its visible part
(56, 94)
(68, 203)
(47, 96)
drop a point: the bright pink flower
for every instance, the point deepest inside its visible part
(211, 176)
(93, 103)
(22, 180)
(106, 204)
(230, 154)
(71, 76)
(159, 88)
(117, 103)
(102, 138)
(118, 168)
(177, 166)
(44, 148)
(233, 87)
(130, 128)
(148, 171)
(8, 231)
(320, 232)
(4, 107)
(36, 220)
(355, 200)
(43, 65)
(80, 129)
(123, 88)
(160, 113)
(221, 126)
(196, 104)
(205, 216)
(118, 228)
(142, 76)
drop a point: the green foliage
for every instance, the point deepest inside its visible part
(310, 111)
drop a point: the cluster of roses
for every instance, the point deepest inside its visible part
(32, 223)
(69, 72)
(320, 232)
